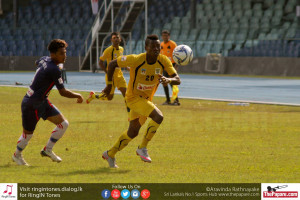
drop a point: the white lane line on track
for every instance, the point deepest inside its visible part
(185, 97)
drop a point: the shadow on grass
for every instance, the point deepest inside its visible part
(8, 165)
(14, 165)
(103, 170)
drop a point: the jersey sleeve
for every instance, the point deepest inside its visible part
(57, 78)
(169, 67)
(38, 61)
(127, 61)
(103, 57)
(161, 47)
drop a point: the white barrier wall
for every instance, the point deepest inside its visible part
(26, 63)
(266, 66)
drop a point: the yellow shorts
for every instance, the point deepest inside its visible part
(118, 81)
(140, 108)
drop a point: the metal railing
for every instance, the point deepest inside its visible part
(93, 34)
(88, 41)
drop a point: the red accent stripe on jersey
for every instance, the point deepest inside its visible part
(36, 115)
(24, 135)
(50, 103)
(51, 85)
(54, 131)
(18, 141)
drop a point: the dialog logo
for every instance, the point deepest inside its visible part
(9, 191)
(135, 194)
(145, 194)
(115, 194)
(144, 87)
(280, 191)
(125, 194)
(105, 194)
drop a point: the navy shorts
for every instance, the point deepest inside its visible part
(33, 110)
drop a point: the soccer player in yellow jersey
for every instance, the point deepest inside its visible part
(146, 71)
(109, 54)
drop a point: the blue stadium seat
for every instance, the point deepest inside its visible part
(2, 23)
(251, 20)
(29, 53)
(21, 43)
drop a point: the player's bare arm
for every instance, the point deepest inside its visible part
(174, 79)
(101, 64)
(111, 69)
(69, 94)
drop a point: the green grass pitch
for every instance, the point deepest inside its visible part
(198, 142)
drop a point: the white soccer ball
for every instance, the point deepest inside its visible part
(182, 55)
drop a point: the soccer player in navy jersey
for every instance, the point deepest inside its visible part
(35, 104)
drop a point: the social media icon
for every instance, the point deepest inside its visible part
(115, 194)
(125, 194)
(105, 194)
(145, 194)
(135, 194)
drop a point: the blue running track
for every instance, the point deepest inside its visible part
(241, 89)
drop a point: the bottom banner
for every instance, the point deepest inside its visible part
(81, 191)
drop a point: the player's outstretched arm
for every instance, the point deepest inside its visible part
(111, 69)
(69, 94)
(174, 80)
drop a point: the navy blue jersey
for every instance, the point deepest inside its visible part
(47, 75)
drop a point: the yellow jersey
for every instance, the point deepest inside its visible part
(111, 53)
(144, 79)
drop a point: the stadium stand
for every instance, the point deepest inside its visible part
(43, 20)
(256, 28)
(162, 15)
(230, 27)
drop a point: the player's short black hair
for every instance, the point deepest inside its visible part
(165, 32)
(114, 33)
(56, 44)
(149, 38)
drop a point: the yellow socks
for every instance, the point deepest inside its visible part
(125, 139)
(175, 92)
(150, 132)
(120, 144)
